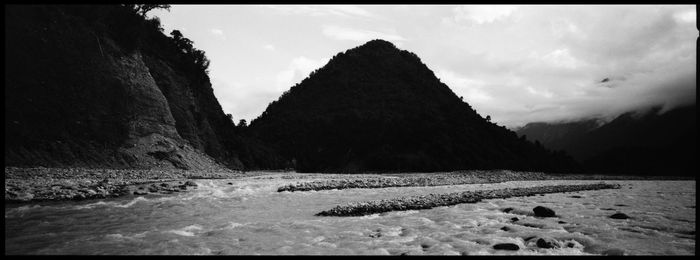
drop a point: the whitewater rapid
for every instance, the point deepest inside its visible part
(249, 216)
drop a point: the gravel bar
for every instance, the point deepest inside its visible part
(452, 178)
(439, 200)
(416, 180)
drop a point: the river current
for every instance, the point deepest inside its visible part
(249, 216)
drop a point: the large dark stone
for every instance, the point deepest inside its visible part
(546, 242)
(543, 212)
(506, 246)
(619, 216)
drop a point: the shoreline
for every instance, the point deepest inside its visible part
(40, 184)
(449, 199)
(29, 185)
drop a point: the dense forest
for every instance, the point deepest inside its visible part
(378, 108)
(639, 142)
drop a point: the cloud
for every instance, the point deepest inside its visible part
(323, 10)
(358, 35)
(472, 90)
(689, 16)
(218, 33)
(298, 69)
(518, 64)
(548, 64)
(481, 14)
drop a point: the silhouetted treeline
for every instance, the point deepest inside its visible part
(378, 108)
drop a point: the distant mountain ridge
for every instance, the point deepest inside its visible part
(378, 108)
(633, 142)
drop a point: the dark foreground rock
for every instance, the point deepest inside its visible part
(544, 212)
(545, 242)
(438, 200)
(506, 246)
(619, 216)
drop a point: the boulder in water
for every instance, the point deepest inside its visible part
(506, 246)
(543, 212)
(619, 216)
(545, 242)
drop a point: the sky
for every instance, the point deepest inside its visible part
(517, 64)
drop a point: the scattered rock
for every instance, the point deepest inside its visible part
(191, 183)
(619, 216)
(506, 210)
(375, 234)
(506, 228)
(506, 246)
(140, 192)
(561, 222)
(544, 212)
(165, 185)
(545, 242)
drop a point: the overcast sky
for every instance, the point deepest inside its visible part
(518, 64)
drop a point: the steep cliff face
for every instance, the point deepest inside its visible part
(77, 94)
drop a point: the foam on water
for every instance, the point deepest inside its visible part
(187, 231)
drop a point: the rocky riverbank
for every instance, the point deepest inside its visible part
(438, 200)
(52, 184)
(451, 178)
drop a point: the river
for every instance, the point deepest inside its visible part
(248, 216)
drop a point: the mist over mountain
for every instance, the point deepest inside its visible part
(638, 142)
(378, 108)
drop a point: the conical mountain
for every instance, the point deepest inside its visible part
(378, 108)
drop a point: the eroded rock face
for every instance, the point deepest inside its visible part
(77, 97)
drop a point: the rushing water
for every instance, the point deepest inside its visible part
(251, 217)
